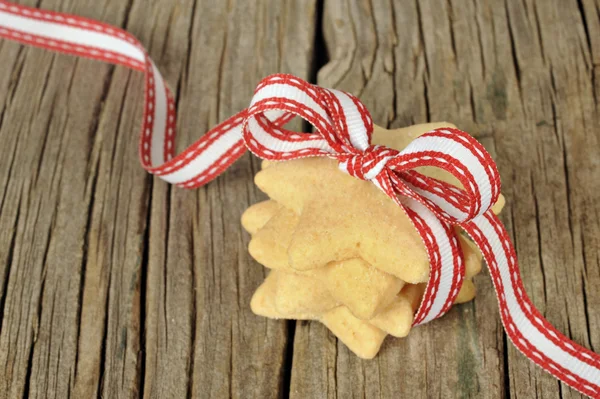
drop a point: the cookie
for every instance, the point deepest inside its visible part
(341, 252)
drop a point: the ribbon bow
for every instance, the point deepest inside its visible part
(343, 132)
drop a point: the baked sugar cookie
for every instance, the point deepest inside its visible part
(341, 252)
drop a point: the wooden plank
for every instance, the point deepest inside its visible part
(114, 284)
(520, 76)
(552, 161)
(405, 73)
(52, 117)
(204, 268)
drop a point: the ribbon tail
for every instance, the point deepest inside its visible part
(200, 163)
(447, 265)
(447, 271)
(534, 336)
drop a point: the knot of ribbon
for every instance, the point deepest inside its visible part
(367, 164)
(343, 131)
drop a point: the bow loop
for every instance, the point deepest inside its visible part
(351, 122)
(343, 126)
(458, 154)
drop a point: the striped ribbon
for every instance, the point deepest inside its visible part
(343, 129)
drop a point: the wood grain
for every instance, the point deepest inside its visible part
(519, 75)
(113, 284)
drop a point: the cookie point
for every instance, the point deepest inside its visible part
(261, 303)
(257, 216)
(467, 292)
(499, 205)
(261, 180)
(255, 249)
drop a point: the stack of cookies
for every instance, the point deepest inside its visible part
(340, 251)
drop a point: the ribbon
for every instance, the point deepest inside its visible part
(343, 129)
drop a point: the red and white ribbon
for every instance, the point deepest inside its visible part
(343, 129)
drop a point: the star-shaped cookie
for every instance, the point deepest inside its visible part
(341, 251)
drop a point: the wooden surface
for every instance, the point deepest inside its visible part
(113, 284)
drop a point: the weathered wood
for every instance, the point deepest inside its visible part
(200, 275)
(552, 160)
(51, 116)
(115, 284)
(406, 72)
(520, 76)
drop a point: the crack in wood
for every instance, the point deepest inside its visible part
(141, 371)
(9, 263)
